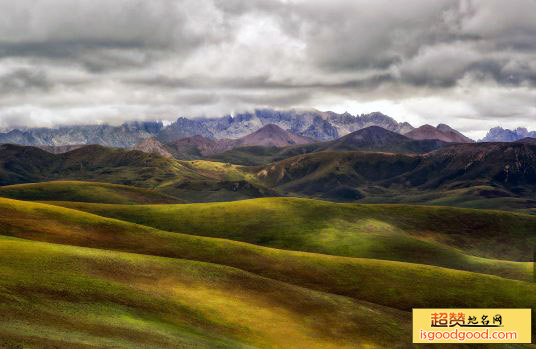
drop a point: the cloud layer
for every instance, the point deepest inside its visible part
(469, 63)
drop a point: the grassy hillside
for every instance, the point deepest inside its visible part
(85, 192)
(480, 197)
(182, 179)
(437, 178)
(394, 284)
(208, 292)
(334, 175)
(93, 298)
(482, 241)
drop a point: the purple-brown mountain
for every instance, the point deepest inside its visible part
(370, 139)
(272, 136)
(199, 146)
(442, 132)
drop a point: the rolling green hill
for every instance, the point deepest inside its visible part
(92, 298)
(179, 179)
(166, 289)
(334, 274)
(85, 192)
(483, 241)
(452, 175)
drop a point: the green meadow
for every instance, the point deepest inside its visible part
(491, 242)
(85, 192)
(261, 273)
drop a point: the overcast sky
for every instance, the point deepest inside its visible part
(471, 64)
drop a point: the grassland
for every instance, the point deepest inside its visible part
(85, 192)
(491, 242)
(93, 298)
(479, 196)
(74, 279)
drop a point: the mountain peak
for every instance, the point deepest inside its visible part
(499, 134)
(442, 132)
(273, 135)
(153, 146)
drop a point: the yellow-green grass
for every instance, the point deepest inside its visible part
(394, 284)
(71, 297)
(85, 192)
(198, 170)
(489, 242)
(479, 196)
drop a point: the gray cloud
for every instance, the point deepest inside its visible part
(471, 63)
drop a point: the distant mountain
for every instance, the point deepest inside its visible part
(313, 124)
(499, 134)
(321, 126)
(123, 136)
(197, 147)
(442, 132)
(153, 146)
(379, 139)
(183, 128)
(272, 136)
(373, 138)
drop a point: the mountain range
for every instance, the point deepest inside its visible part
(272, 143)
(320, 126)
(311, 124)
(123, 136)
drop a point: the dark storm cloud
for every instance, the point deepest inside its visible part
(218, 56)
(24, 80)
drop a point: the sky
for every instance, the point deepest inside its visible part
(468, 63)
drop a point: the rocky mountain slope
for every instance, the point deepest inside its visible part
(442, 132)
(153, 146)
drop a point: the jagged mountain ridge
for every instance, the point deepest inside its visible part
(320, 126)
(125, 135)
(317, 125)
(499, 134)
